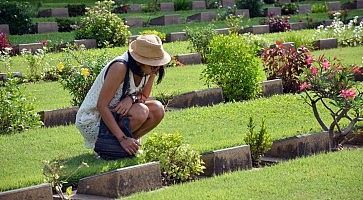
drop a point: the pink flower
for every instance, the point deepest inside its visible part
(357, 70)
(326, 64)
(304, 86)
(309, 60)
(314, 71)
(348, 94)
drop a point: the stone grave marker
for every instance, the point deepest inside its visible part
(328, 43)
(243, 12)
(198, 5)
(165, 20)
(176, 36)
(134, 8)
(304, 8)
(37, 192)
(134, 21)
(273, 11)
(122, 182)
(202, 17)
(358, 4)
(197, 98)
(257, 29)
(189, 59)
(4, 28)
(272, 87)
(54, 12)
(88, 43)
(228, 3)
(297, 25)
(167, 6)
(334, 5)
(46, 27)
(30, 47)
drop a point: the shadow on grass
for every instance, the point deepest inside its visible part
(96, 166)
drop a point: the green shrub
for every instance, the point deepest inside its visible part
(161, 35)
(181, 164)
(178, 162)
(233, 66)
(152, 6)
(101, 24)
(16, 110)
(200, 38)
(319, 8)
(17, 16)
(182, 5)
(78, 70)
(255, 6)
(259, 142)
(157, 144)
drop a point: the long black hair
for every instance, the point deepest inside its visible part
(136, 69)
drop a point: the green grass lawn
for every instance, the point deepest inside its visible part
(205, 128)
(326, 176)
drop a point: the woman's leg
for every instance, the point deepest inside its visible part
(155, 115)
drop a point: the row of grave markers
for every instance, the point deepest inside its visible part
(145, 177)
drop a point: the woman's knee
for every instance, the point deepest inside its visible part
(156, 110)
(139, 113)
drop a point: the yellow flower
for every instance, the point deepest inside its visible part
(85, 72)
(60, 66)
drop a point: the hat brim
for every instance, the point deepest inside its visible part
(147, 61)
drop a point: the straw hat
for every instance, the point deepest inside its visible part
(148, 50)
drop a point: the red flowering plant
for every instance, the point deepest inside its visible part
(333, 85)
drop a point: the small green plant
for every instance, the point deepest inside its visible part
(200, 38)
(17, 15)
(234, 23)
(178, 162)
(259, 142)
(54, 174)
(161, 35)
(36, 62)
(101, 24)
(319, 8)
(233, 66)
(152, 6)
(16, 110)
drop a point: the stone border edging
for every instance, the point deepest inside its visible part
(58, 117)
(122, 182)
(300, 145)
(37, 192)
(226, 160)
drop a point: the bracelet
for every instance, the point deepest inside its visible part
(124, 137)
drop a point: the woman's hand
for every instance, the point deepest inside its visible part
(123, 106)
(130, 145)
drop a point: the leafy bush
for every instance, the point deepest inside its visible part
(234, 23)
(4, 42)
(319, 8)
(212, 4)
(289, 9)
(200, 38)
(259, 142)
(101, 24)
(255, 6)
(66, 24)
(342, 14)
(286, 63)
(223, 12)
(16, 110)
(182, 5)
(152, 6)
(332, 85)
(161, 35)
(76, 9)
(278, 23)
(256, 42)
(78, 71)
(17, 16)
(233, 66)
(178, 162)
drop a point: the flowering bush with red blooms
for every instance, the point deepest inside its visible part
(333, 85)
(3, 41)
(286, 63)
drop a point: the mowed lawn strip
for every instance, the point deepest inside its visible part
(206, 129)
(325, 176)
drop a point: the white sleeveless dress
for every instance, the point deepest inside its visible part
(88, 117)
